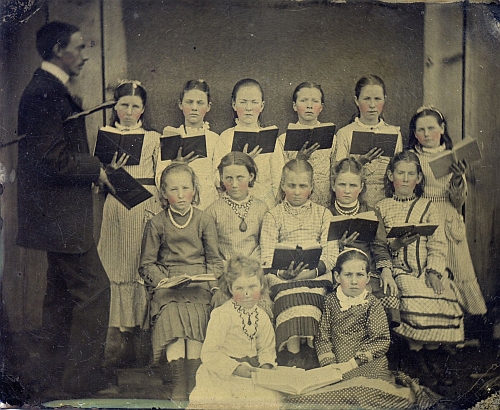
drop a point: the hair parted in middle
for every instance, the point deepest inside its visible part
(296, 165)
(349, 255)
(407, 156)
(129, 88)
(178, 167)
(352, 165)
(238, 158)
(428, 110)
(237, 266)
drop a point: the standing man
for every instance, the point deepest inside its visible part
(55, 176)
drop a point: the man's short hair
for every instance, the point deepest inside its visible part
(55, 32)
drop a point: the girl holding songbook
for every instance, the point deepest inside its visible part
(240, 341)
(308, 101)
(180, 240)
(348, 187)
(121, 231)
(428, 137)
(354, 337)
(431, 313)
(194, 102)
(369, 96)
(238, 214)
(247, 100)
(297, 290)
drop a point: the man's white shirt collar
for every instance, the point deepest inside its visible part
(56, 71)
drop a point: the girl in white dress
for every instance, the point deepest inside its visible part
(239, 341)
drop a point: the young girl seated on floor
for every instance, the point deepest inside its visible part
(180, 240)
(239, 341)
(354, 334)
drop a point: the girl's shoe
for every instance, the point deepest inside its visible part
(179, 382)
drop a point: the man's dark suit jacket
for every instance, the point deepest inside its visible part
(55, 170)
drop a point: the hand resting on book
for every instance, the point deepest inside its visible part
(305, 152)
(374, 153)
(402, 241)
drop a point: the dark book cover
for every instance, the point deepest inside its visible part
(421, 229)
(365, 225)
(170, 146)
(264, 138)
(128, 190)
(297, 137)
(362, 142)
(109, 142)
(284, 256)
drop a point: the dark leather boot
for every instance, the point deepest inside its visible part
(192, 368)
(179, 383)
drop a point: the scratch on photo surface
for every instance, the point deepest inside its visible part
(19, 11)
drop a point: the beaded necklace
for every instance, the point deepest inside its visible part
(237, 208)
(246, 320)
(342, 211)
(296, 210)
(408, 199)
(188, 220)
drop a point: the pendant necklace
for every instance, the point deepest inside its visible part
(237, 208)
(351, 212)
(175, 223)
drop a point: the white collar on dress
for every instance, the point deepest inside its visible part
(347, 301)
(420, 149)
(56, 71)
(381, 123)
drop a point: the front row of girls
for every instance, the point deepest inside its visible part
(183, 240)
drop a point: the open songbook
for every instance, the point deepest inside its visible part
(364, 223)
(467, 149)
(128, 190)
(171, 141)
(421, 229)
(111, 140)
(296, 137)
(364, 141)
(181, 281)
(283, 257)
(293, 380)
(265, 138)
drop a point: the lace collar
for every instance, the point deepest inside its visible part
(347, 301)
(423, 150)
(120, 127)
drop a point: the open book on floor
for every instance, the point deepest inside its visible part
(283, 257)
(364, 141)
(467, 149)
(111, 140)
(171, 141)
(265, 138)
(296, 137)
(128, 190)
(181, 281)
(421, 229)
(293, 380)
(364, 223)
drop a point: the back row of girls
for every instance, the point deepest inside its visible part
(248, 196)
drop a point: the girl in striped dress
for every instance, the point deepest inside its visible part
(238, 214)
(297, 292)
(431, 314)
(428, 138)
(121, 231)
